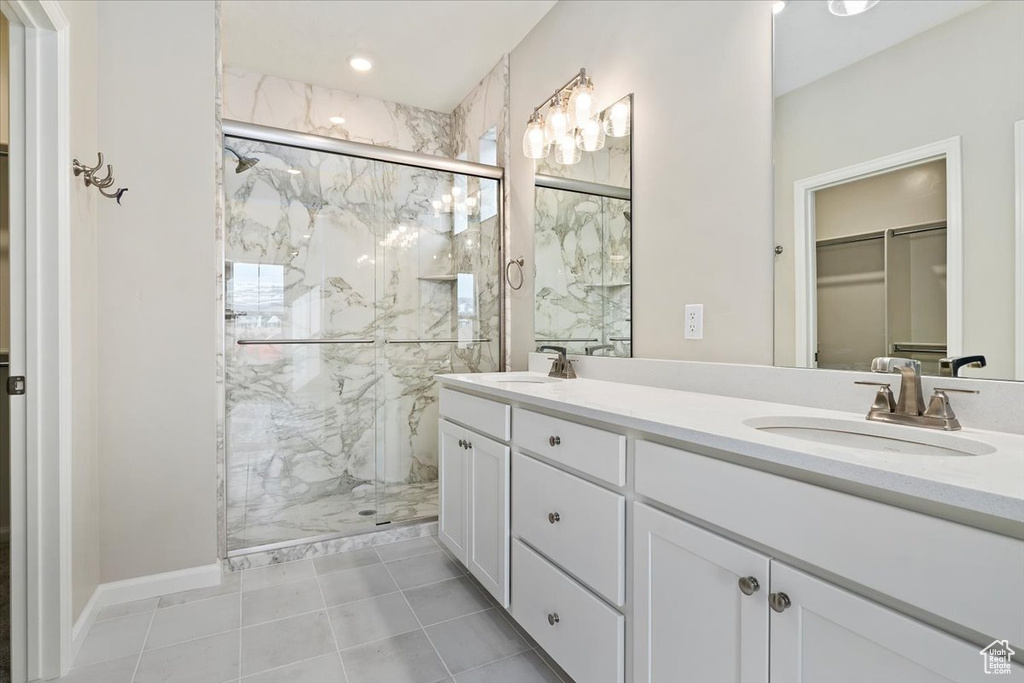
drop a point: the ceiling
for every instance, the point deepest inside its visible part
(811, 43)
(425, 53)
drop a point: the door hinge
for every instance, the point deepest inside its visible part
(16, 385)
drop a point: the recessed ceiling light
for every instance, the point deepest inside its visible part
(294, 171)
(849, 8)
(337, 120)
(360, 63)
(778, 6)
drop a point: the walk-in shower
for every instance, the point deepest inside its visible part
(353, 275)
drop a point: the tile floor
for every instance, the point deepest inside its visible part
(392, 613)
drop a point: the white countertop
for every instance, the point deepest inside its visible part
(991, 484)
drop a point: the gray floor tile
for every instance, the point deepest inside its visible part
(127, 609)
(341, 561)
(277, 573)
(206, 660)
(193, 620)
(559, 671)
(366, 620)
(324, 669)
(408, 658)
(446, 600)
(403, 549)
(422, 569)
(229, 583)
(356, 584)
(279, 601)
(113, 639)
(526, 667)
(474, 640)
(115, 671)
(285, 641)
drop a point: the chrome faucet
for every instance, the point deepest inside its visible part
(950, 367)
(598, 347)
(561, 367)
(909, 409)
(911, 400)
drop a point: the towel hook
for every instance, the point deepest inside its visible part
(101, 184)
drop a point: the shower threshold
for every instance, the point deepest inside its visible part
(324, 538)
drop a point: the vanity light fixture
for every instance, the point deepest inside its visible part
(849, 8)
(567, 123)
(360, 63)
(778, 6)
(616, 122)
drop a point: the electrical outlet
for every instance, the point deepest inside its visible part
(694, 321)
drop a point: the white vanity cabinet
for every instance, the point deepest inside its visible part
(829, 634)
(700, 609)
(473, 489)
(630, 559)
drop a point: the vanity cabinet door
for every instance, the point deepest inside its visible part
(828, 634)
(453, 490)
(488, 514)
(693, 619)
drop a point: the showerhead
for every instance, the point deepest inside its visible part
(244, 163)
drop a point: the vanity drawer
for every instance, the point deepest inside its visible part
(582, 634)
(594, 451)
(579, 525)
(479, 414)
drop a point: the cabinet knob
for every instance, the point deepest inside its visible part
(779, 601)
(462, 443)
(469, 444)
(749, 585)
(554, 440)
(553, 618)
(554, 517)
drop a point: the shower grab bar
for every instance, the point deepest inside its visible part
(269, 342)
(435, 341)
(577, 339)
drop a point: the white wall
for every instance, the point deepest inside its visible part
(157, 265)
(701, 72)
(962, 78)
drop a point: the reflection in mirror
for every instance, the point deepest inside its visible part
(882, 246)
(582, 243)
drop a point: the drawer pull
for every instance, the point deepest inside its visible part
(469, 444)
(462, 443)
(749, 585)
(554, 517)
(554, 440)
(553, 618)
(779, 601)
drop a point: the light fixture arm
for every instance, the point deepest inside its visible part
(572, 82)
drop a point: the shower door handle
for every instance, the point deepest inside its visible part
(274, 342)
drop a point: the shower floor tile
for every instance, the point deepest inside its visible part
(265, 523)
(443, 630)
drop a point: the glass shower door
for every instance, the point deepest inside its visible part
(300, 338)
(439, 313)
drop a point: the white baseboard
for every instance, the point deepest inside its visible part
(140, 588)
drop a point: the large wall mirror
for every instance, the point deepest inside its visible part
(895, 184)
(582, 242)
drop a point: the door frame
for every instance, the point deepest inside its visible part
(41, 348)
(1018, 185)
(804, 239)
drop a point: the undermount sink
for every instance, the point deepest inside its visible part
(520, 378)
(870, 436)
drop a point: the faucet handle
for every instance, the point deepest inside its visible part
(958, 391)
(884, 399)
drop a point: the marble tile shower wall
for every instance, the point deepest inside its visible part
(583, 264)
(321, 252)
